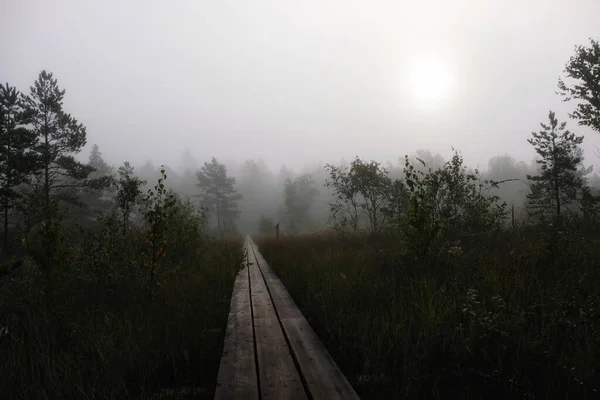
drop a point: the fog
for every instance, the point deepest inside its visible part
(298, 84)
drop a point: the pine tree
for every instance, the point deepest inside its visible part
(59, 137)
(219, 194)
(58, 176)
(95, 195)
(129, 191)
(96, 161)
(16, 140)
(558, 180)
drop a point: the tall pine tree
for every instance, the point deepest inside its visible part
(129, 191)
(96, 195)
(59, 176)
(16, 141)
(558, 181)
(60, 136)
(219, 195)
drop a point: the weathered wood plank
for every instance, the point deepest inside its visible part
(237, 378)
(277, 373)
(323, 377)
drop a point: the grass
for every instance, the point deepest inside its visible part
(512, 315)
(90, 330)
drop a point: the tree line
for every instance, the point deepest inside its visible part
(42, 183)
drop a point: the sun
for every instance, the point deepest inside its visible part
(430, 82)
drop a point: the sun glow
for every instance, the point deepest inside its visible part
(430, 82)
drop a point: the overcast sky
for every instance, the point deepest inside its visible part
(299, 81)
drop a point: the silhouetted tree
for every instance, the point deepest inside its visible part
(16, 141)
(557, 181)
(219, 194)
(363, 188)
(128, 189)
(345, 209)
(100, 166)
(447, 201)
(299, 197)
(584, 68)
(96, 194)
(59, 175)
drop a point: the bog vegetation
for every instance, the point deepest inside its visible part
(428, 279)
(110, 287)
(431, 286)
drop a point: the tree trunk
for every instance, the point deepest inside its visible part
(218, 217)
(47, 212)
(7, 195)
(5, 239)
(557, 194)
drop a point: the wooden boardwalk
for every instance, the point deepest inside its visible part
(270, 350)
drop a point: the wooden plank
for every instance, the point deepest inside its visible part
(277, 373)
(323, 377)
(237, 378)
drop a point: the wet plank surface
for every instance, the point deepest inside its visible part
(237, 371)
(270, 350)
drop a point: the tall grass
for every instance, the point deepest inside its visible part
(512, 315)
(94, 333)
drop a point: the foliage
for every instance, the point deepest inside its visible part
(128, 188)
(360, 190)
(159, 210)
(557, 182)
(584, 69)
(488, 319)
(16, 162)
(59, 137)
(96, 161)
(447, 201)
(101, 337)
(344, 210)
(299, 197)
(96, 195)
(219, 195)
(58, 175)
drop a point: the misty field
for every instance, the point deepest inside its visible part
(131, 169)
(510, 315)
(93, 332)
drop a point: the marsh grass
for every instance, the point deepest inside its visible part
(94, 333)
(512, 315)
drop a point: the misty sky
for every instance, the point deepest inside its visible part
(299, 81)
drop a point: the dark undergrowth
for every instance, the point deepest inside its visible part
(91, 329)
(510, 315)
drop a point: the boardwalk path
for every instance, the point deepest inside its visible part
(270, 351)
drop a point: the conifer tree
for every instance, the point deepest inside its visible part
(96, 193)
(219, 194)
(129, 191)
(558, 180)
(58, 175)
(16, 141)
(59, 137)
